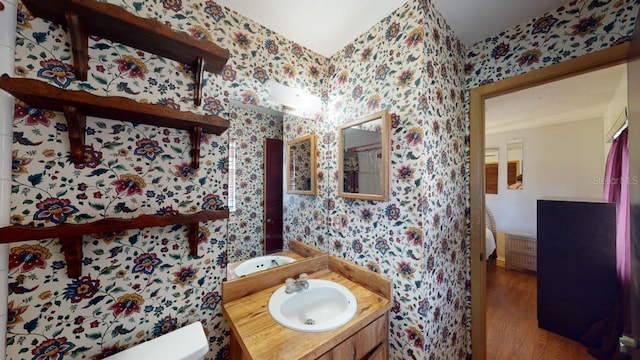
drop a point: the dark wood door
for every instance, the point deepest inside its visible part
(633, 81)
(273, 168)
(491, 178)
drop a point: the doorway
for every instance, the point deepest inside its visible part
(273, 175)
(602, 59)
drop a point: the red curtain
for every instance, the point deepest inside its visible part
(602, 337)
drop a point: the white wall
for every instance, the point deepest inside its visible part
(7, 54)
(616, 107)
(564, 160)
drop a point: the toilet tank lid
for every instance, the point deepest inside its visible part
(187, 343)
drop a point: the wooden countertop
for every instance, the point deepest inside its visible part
(260, 337)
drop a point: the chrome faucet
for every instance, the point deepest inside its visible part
(293, 286)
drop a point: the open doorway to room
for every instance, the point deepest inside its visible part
(547, 141)
(478, 96)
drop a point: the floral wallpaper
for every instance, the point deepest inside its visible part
(248, 130)
(411, 64)
(578, 28)
(135, 284)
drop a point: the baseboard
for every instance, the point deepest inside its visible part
(500, 262)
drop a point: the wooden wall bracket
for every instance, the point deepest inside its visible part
(70, 235)
(196, 134)
(193, 239)
(72, 248)
(76, 124)
(79, 44)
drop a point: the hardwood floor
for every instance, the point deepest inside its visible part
(512, 325)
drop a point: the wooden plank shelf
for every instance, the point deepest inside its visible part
(77, 104)
(70, 235)
(84, 17)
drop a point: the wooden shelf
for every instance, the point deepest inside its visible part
(77, 104)
(84, 17)
(70, 235)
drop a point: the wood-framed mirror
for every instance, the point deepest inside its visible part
(514, 164)
(363, 157)
(301, 165)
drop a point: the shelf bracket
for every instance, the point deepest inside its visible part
(199, 72)
(196, 133)
(79, 44)
(76, 122)
(72, 248)
(193, 239)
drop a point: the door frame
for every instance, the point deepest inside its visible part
(583, 64)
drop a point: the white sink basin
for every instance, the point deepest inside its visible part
(324, 306)
(262, 263)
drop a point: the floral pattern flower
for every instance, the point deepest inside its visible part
(215, 10)
(132, 66)
(80, 289)
(56, 71)
(529, 57)
(185, 172)
(33, 116)
(54, 210)
(14, 314)
(210, 301)
(18, 164)
(173, 5)
(166, 325)
(415, 37)
(146, 263)
(212, 202)
(92, 158)
(52, 349)
(127, 304)
(544, 24)
(130, 184)
(184, 276)
(587, 25)
(200, 33)
(148, 148)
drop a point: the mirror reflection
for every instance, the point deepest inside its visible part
(491, 161)
(301, 165)
(364, 158)
(514, 164)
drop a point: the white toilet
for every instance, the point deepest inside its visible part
(187, 343)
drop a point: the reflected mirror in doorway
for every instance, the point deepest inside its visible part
(301, 165)
(514, 164)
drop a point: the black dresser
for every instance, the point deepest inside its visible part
(576, 264)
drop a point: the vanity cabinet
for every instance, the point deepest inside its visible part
(256, 335)
(372, 342)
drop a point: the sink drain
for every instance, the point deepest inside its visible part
(310, 322)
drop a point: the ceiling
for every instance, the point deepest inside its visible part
(327, 26)
(580, 97)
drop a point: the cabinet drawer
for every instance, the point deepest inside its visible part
(363, 342)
